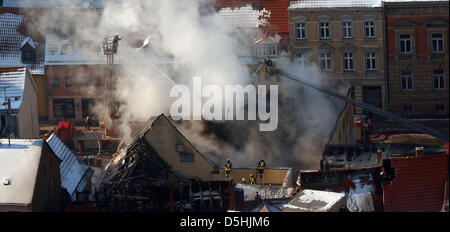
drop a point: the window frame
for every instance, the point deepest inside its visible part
(300, 58)
(346, 28)
(326, 57)
(409, 80)
(441, 81)
(187, 157)
(400, 40)
(68, 82)
(300, 27)
(56, 80)
(370, 24)
(368, 56)
(348, 60)
(441, 43)
(323, 27)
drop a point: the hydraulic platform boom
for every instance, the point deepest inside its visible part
(375, 110)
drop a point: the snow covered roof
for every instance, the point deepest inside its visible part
(12, 85)
(315, 201)
(29, 41)
(415, 0)
(334, 4)
(53, 3)
(245, 17)
(62, 52)
(19, 164)
(11, 40)
(268, 35)
(74, 173)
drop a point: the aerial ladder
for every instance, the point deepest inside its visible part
(410, 124)
(110, 46)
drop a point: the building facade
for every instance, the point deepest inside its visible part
(73, 90)
(31, 180)
(21, 44)
(417, 47)
(19, 110)
(345, 41)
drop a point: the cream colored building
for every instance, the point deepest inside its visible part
(184, 159)
(346, 42)
(18, 87)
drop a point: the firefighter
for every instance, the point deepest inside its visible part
(243, 180)
(88, 122)
(116, 42)
(228, 168)
(252, 179)
(261, 166)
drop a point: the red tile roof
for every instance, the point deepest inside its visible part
(278, 21)
(418, 185)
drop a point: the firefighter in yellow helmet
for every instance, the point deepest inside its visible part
(252, 179)
(261, 166)
(228, 168)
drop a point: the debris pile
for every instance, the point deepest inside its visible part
(138, 179)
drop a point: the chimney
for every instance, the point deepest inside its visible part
(419, 151)
(379, 157)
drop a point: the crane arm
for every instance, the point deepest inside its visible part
(375, 110)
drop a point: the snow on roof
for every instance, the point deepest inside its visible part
(267, 35)
(12, 84)
(334, 3)
(314, 200)
(53, 3)
(245, 17)
(63, 52)
(74, 173)
(18, 165)
(29, 41)
(11, 41)
(415, 0)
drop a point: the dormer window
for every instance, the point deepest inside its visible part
(28, 49)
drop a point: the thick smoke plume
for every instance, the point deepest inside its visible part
(171, 41)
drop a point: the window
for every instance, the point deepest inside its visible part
(68, 82)
(300, 31)
(64, 108)
(438, 79)
(84, 81)
(179, 147)
(406, 80)
(440, 109)
(369, 29)
(405, 43)
(324, 30)
(262, 51)
(348, 61)
(437, 43)
(347, 30)
(300, 58)
(186, 157)
(87, 106)
(272, 50)
(55, 82)
(98, 82)
(371, 59)
(325, 61)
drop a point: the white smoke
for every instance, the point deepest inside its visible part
(184, 39)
